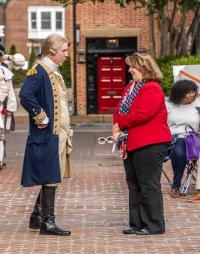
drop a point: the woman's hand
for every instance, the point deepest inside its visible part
(116, 131)
(115, 128)
(116, 135)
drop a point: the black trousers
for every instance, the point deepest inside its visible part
(143, 173)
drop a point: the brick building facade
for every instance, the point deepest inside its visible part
(106, 34)
(2, 21)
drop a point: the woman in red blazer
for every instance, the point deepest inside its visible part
(142, 114)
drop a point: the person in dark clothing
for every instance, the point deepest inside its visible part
(48, 148)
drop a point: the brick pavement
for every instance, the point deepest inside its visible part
(93, 204)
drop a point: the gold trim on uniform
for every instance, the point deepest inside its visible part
(54, 84)
(32, 71)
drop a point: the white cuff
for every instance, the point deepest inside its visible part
(45, 121)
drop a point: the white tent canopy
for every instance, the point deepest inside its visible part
(190, 72)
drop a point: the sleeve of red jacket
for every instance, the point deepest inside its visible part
(147, 106)
(115, 113)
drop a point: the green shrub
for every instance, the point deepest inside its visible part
(13, 49)
(166, 66)
(19, 77)
(32, 58)
(66, 73)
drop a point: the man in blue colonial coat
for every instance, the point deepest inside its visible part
(48, 146)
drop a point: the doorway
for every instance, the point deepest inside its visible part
(111, 81)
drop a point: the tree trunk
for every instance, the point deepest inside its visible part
(182, 34)
(164, 32)
(174, 33)
(197, 42)
(191, 34)
(152, 41)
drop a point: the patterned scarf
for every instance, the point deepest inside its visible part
(127, 100)
(124, 109)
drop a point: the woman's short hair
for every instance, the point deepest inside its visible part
(144, 63)
(52, 43)
(180, 89)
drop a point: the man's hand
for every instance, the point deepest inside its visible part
(42, 126)
(8, 113)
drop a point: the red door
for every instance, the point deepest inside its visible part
(111, 80)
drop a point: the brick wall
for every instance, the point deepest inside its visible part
(2, 14)
(109, 15)
(17, 22)
(106, 16)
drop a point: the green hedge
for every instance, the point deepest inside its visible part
(66, 73)
(166, 64)
(19, 77)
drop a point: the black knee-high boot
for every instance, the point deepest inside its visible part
(48, 226)
(35, 219)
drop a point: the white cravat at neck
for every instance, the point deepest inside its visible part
(50, 63)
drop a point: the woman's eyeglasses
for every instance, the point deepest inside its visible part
(103, 140)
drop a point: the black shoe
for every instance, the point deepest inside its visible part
(35, 221)
(129, 231)
(48, 227)
(143, 231)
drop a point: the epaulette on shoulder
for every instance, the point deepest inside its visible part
(32, 71)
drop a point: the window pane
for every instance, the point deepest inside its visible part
(46, 20)
(34, 25)
(33, 15)
(58, 20)
(33, 20)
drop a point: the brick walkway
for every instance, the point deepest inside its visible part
(93, 204)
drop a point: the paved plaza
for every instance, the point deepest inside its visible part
(93, 204)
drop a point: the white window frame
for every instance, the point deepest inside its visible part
(2, 31)
(40, 33)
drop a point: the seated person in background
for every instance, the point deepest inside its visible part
(182, 107)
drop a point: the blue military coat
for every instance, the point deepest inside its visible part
(41, 159)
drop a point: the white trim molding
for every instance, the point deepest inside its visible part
(2, 33)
